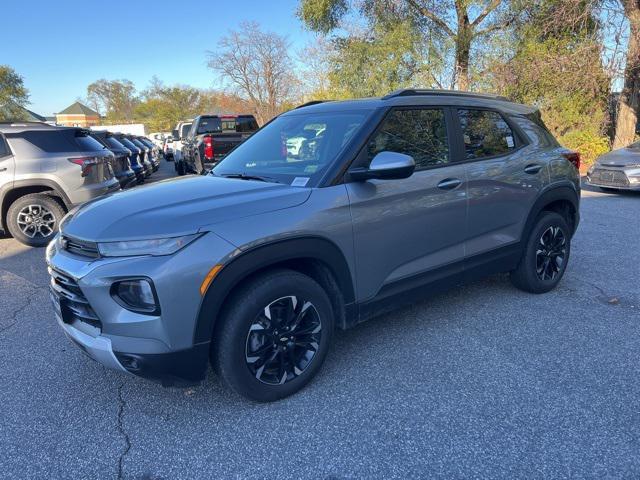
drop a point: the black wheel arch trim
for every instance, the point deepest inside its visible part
(17, 184)
(263, 256)
(553, 193)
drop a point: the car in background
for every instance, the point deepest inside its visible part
(211, 137)
(617, 170)
(134, 159)
(154, 153)
(179, 133)
(143, 155)
(121, 164)
(253, 267)
(167, 149)
(45, 171)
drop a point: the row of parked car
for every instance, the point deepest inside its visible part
(47, 170)
(197, 145)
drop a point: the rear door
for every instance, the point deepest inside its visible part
(7, 164)
(504, 178)
(409, 231)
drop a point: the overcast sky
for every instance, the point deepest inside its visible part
(61, 46)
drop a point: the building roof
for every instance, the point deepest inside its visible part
(78, 108)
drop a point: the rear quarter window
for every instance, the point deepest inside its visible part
(485, 134)
(59, 141)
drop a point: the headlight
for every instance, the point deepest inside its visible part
(155, 247)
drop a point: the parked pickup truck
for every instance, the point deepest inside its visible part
(211, 137)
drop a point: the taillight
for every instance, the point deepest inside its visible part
(85, 163)
(208, 147)
(574, 158)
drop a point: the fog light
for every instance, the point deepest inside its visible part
(137, 295)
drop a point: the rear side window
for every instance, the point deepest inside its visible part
(421, 133)
(58, 141)
(4, 149)
(485, 134)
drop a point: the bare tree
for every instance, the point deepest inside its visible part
(257, 65)
(629, 102)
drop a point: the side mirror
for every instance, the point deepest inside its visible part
(385, 166)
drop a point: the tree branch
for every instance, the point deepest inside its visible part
(491, 6)
(432, 16)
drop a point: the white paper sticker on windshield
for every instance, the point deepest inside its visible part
(300, 181)
(509, 142)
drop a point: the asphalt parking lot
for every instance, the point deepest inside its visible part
(483, 382)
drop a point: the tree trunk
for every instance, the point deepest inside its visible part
(629, 102)
(463, 47)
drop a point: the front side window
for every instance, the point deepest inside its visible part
(485, 134)
(296, 145)
(420, 133)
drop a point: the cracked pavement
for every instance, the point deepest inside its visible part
(484, 381)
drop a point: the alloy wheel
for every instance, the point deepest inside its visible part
(283, 340)
(551, 253)
(36, 221)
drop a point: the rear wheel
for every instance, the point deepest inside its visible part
(546, 254)
(274, 336)
(34, 219)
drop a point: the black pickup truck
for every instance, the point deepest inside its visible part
(212, 137)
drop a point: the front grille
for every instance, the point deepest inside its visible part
(612, 178)
(74, 306)
(80, 247)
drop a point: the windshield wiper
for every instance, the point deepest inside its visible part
(244, 176)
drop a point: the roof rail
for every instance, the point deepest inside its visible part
(409, 92)
(308, 104)
(23, 122)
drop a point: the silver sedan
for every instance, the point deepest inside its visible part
(619, 169)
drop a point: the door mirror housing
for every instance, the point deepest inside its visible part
(385, 166)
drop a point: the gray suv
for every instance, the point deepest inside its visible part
(330, 214)
(44, 171)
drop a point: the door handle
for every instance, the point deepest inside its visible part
(3, 169)
(449, 183)
(533, 168)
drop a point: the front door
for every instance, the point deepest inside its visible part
(405, 229)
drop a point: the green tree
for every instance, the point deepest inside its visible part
(462, 23)
(555, 63)
(14, 97)
(116, 99)
(256, 65)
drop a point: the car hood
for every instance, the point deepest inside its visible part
(177, 207)
(621, 157)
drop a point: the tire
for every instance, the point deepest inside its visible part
(288, 362)
(543, 264)
(38, 214)
(180, 168)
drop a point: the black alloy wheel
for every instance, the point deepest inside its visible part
(283, 340)
(551, 253)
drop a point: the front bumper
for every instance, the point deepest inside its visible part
(615, 178)
(159, 347)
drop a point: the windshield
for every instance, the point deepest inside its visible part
(293, 147)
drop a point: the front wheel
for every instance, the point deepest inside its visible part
(545, 255)
(274, 336)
